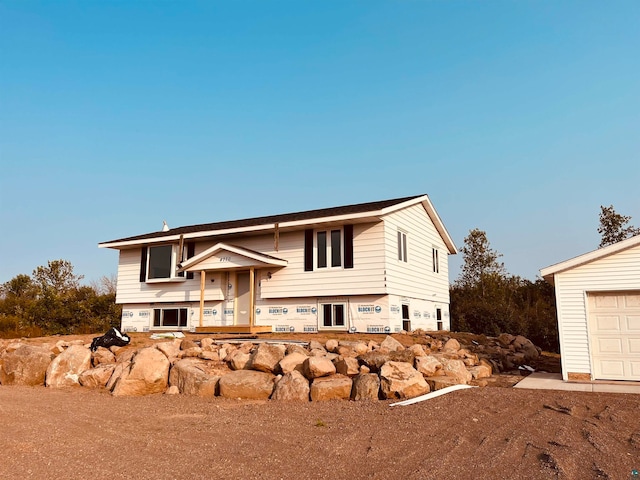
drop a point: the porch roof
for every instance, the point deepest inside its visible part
(223, 256)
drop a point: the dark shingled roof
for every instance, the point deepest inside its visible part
(286, 217)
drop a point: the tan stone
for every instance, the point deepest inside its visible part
(480, 371)
(207, 344)
(24, 365)
(438, 383)
(191, 377)
(452, 345)
(148, 373)
(331, 345)
(334, 387)
(401, 380)
(172, 390)
(65, 369)
(293, 386)
(98, 376)
(456, 369)
(102, 355)
(348, 366)
(417, 350)
(249, 384)
(391, 344)
(239, 360)
(427, 365)
(292, 361)
(265, 357)
(314, 367)
(170, 349)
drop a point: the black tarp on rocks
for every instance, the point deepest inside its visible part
(109, 339)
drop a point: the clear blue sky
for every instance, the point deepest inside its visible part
(518, 118)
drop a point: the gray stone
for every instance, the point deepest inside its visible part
(366, 387)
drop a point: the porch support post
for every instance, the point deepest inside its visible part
(203, 278)
(252, 295)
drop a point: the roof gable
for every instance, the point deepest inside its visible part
(223, 256)
(548, 272)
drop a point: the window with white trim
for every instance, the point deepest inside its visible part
(170, 317)
(159, 263)
(436, 262)
(329, 248)
(333, 315)
(402, 246)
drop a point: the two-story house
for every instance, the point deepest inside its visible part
(372, 267)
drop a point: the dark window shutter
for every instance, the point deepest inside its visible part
(143, 265)
(191, 251)
(348, 246)
(308, 250)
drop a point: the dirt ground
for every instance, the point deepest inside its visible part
(489, 433)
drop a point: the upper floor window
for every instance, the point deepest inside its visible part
(328, 248)
(159, 262)
(402, 246)
(436, 262)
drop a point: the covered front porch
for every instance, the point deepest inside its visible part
(241, 265)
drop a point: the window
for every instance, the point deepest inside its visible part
(329, 248)
(333, 315)
(170, 317)
(159, 262)
(402, 246)
(436, 263)
(439, 318)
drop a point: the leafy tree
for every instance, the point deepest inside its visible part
(479, 259)
(57, 275)
(613, 226)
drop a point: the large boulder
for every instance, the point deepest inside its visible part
(238, 360)
(26, 365)
(170, 349)
(366, 386)
(97, 377)
(452, 345)
(315, 367)
(191, 377)
(148, 373)
(266, 357)
(457, 370)
(335, 387)
(249, 384)
(391, 344)
(292, 361)
(375, 359)
(428, 365)
(401, 380)
(65, 369)
(347, 366)
(102, 355)
(293, 386)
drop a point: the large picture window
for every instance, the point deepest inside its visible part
(170, 317)
(159, 262)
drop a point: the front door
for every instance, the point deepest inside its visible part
(243, 298)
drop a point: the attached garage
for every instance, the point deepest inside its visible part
(598, 307)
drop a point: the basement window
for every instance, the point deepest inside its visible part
(333, 315)
(170, 317)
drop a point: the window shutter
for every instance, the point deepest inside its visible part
(308, 250)
(143, 265)
(348, 246)
(191, 251)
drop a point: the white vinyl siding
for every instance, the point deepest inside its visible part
(416, 278)
(131, 290)
(617, 272)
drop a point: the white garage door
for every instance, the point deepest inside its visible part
(614, 328)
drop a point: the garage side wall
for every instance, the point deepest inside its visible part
(617, 272)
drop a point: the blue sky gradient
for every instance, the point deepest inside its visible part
(518, 118)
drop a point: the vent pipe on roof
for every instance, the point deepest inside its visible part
(165, 227)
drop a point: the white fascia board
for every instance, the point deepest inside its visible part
(187, 236)
(218, 247)
(333, 219)
(589, 257)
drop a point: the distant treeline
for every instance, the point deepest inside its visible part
(52, 301)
